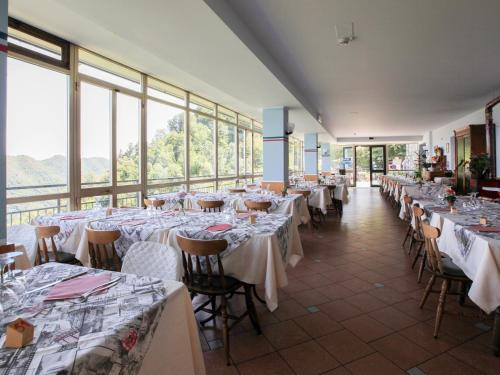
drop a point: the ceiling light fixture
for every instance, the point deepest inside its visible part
(344, 35)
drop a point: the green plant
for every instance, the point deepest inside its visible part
(479, 165)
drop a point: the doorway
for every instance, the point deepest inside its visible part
(369, 165)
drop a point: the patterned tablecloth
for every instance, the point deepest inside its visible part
(121, 331)
(476, 251)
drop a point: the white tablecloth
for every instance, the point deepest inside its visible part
(341, 193)
(320, 198)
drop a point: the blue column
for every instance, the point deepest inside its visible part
(4, 18)
(311, 156)
(325, 158)
(275, 148)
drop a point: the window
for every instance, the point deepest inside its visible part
(201, 105)
(257, 150)
(22, 213)
(37, 130)
(95, 135)
(226, 149)
(244, 122)
(245, 152)
(401, 157)
(165, 134)
(163, 91)
(103, 69)
(226, 114)
(99, 201)
(201, 146)
(128, 126)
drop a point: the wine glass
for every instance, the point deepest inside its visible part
(8, 297)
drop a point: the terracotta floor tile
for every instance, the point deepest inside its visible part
(335, 291)
(357, 285)
(403, 352)
(316, 281)
(285, 334)
(289, 309)
(371, 276)
(365, 302)
(317, 324)
(388, 295)
(248, 345)
(345, 346)
(477, 356)
(393, 318)
(215, 363)
(340, 310)
(338, 371)
(310, 298)
(445, 364)
(461, 328)
(410, 307)
(374, 364)
(366, 328)
(422, 334)
(271, 364)
(309, 358)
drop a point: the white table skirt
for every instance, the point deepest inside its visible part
(341, 193)
(175, 348)
(320, 198)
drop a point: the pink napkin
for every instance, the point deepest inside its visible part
(74, 288)
(439, 209)
(219, 227)
(168, 213)
(132, 222)
(482, 228)
(243, 215)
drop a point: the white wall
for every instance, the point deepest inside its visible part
(444, 134)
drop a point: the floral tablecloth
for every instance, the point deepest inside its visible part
(118, 332)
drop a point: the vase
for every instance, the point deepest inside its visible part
(451, 204)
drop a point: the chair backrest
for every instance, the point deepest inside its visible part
(201, 249)
(210, 206)
(431, 234)
(8, 248)
(257, 206)
(102, 249)
(417, 215)
(408, 209)
(155, 203)
(145, 258)
(46, 234)
(237, 190)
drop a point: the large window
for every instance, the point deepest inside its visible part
(201, 146)
(125, 135)
(401, 158)
(165, 155)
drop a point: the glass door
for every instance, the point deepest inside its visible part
(362, 166)
(377, 164)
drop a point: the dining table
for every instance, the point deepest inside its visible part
(257, 253)
(470, 236)
(139, 325)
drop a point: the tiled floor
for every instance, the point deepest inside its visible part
(351, 307)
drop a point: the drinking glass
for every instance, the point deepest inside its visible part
(8, 297)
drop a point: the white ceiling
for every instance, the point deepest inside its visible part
(416, 64)
(182, 42)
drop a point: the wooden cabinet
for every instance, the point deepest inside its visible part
(469, 141)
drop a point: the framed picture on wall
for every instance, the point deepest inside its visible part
(447, 148)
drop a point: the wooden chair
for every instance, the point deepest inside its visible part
(407, 201)
(257, 206)
(157, 204)
(237, 190)
(45, 253)
(443, 268)
(213, 285)
(102, 249)
(417, 238)
(8, 248)
(211, 206)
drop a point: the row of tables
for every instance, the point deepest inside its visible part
(474, 248)
(142, 325)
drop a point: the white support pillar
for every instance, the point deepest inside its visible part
(275, 148)
(311, 156)
(326, 167)
(4, 20)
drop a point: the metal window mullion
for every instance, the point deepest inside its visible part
(143, 139)
(74, 133)
(216, 145)
(187, 130)
(113, 149)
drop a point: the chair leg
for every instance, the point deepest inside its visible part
(225, 328)
(421, 267)
(427, 291)
(213, 303)
(440, 308)
(407, 235)
(254, 290)
(252, 313)
(412, 241)
(418, 254)
(463, 293)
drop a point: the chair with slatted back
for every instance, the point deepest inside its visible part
(407, 201)
(8, 248)
(157, 204)
(48, 252)
(237, 190)
(257, 206)
(417, 238)
(200, 259)
(210, 206)
(102, 249)
(443, 268)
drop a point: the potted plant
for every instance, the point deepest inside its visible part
(450, 196)
(479, 166)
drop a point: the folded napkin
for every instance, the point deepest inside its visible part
(484, 228)
(219, 227)
(74, 288)
(132, 222)
(72, 217)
